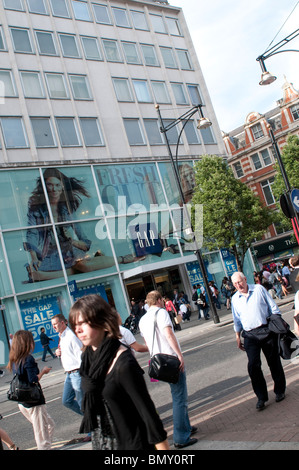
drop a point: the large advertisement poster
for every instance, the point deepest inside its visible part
(36, 314)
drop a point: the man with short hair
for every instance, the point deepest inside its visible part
(251, 307)
(167, 343)
(69, 351)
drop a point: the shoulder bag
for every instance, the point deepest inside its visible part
(163, 367)
(22, 391)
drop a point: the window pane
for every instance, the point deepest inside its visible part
(120, 17)
(91, 48)
(111, 50)
(168, 57)
(17, 186)
(207, 136)
(256, 161)
(184, 59)
(13, 4)
(266, 185)
(45, 43)
(158, 24)
(149, 54)
(69, 45)
(160, 92)
(91, 132)
(142, 92)
(81, 11)
(31, 85)
(153, 132)
(172, 134)
(21, 40)
(37, 6)
(59, 8)
(80, 87)
(56, 85)
(266, 157)
(13, 132)
(42, 132)
(173, 26)
(2, 45)
(139, 20)
(134, 133)
(67, 132)
(6, 83)
(101, 14)
(122, 89)
(179, 93)
(191, 133)
(131, 53)
(194, 94)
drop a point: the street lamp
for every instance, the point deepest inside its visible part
(267, 77)
(202, 124)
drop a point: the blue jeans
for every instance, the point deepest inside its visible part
(181, 423)
(72, 392)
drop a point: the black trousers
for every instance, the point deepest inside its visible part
(269, 346)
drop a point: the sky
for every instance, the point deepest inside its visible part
(228, 36)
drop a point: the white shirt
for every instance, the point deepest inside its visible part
(127, 337)
(183, 308)
(71, 350)
(146, 326)
(297, 300)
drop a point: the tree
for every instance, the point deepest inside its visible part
(290, 159)
(233, 217)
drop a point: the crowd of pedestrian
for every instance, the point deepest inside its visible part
(104, 383)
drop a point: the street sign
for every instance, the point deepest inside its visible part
(295, 199)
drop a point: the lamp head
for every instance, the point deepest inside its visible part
(203, 123)
(267, 78)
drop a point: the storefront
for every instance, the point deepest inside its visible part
(116, 230)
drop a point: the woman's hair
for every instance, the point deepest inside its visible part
(21, 346)
(72, 190)
(97, 313)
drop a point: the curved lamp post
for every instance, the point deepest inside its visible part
(202, 124)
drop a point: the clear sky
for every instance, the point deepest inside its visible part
(228, 36)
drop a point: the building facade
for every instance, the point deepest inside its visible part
(251, 157)
(88, 201)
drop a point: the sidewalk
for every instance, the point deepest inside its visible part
(232, 422)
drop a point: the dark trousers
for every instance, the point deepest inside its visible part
(47, 349)
(269, 346)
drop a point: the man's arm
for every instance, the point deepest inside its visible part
(170, 336)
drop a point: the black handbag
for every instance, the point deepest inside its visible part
(24, 392)
(163, 367)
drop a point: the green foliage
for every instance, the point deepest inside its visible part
(233, 217)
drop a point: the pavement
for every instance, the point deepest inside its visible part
(231, 422)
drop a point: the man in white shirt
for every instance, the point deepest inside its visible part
(167, 343)
(69, 351)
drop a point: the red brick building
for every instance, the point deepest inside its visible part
(251, 156)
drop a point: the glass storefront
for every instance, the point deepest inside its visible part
(97, 228)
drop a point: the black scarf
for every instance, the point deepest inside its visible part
(93, 370)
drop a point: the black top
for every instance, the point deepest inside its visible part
(135, 418)
(28, 372)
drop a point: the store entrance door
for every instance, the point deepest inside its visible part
(165, 281)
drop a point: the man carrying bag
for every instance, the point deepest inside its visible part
(166, 343)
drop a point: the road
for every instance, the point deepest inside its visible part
(215, 367)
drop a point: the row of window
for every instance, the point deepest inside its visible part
(259, 160)
(130, 51)
(56, 84)
(103, 14)
(15, 136)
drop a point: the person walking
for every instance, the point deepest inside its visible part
(69, 351)
(118, 410)
(251, 307)
(45, 341)
(166, 342)
(21, 362)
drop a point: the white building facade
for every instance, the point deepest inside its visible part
(88, 202)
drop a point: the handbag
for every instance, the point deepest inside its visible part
(24, 392)
(163, 367)
(178, 319)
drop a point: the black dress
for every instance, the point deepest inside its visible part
(136, 423)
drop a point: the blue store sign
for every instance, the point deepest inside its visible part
(229, 262)
(195, 274)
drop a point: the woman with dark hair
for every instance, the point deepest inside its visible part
(21, 362)
(118, 410)
(65, 196)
